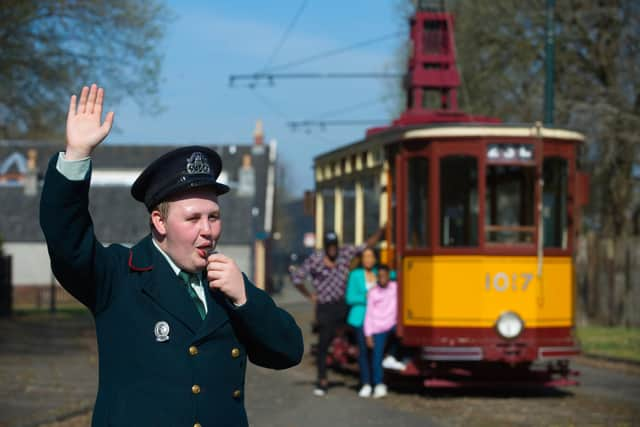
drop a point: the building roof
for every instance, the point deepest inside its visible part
(116, 215)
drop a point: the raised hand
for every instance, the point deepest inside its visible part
(223, 274)
(84, 130)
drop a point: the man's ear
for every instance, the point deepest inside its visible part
(159, 222)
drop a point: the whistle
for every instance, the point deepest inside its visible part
(212, 250)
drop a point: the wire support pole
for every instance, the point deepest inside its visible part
(549, 59)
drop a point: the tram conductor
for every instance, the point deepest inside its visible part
(175, 321)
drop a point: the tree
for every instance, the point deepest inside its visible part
(50, 48)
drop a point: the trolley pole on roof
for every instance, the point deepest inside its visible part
(549, 59)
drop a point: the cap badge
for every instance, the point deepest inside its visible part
(161, 331)
(197, 163)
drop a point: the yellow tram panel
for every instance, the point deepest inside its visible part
(472, 291)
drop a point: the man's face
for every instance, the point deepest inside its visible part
(332, 251)
(192, 226)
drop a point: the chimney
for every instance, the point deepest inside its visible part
(246, 161)
(31, 175)
(246, 178)
(258, 134)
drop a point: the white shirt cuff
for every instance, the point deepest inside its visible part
(73, 170)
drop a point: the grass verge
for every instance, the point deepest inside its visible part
(615, 342)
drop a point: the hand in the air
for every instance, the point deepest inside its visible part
(84, 130)
(223, 274)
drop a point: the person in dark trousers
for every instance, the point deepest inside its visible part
(328, 271)
(360, 281)
(175, 321)
(380, 324)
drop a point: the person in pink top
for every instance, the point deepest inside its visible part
(379, 322)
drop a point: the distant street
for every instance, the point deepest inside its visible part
(48, 376)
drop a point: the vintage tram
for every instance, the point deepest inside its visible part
(480, 221)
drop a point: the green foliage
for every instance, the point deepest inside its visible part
(616, 342)
(50, 48)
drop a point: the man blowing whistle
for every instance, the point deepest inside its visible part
(175, 321)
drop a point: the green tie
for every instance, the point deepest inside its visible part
(192, 278)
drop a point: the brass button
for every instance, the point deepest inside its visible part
(237, 393)
(193, 350)
(195, 389)
(235, 353)
(197, 425)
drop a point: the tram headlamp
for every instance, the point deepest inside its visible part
(509, 325)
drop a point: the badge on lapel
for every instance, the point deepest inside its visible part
(161, 331)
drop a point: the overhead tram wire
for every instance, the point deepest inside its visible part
(354, 107)
(338, 51)
(322, 122)
(257, 77)
(269, 77)
(285, 35)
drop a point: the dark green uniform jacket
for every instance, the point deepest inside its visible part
(196, 376)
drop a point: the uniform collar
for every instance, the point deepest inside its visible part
(141, 255)
(172, 264)
(169, 291)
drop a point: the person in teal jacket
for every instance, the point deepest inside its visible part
(175, 321)
(360, 280)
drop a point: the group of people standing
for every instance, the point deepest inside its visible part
(365, 296)
(372, 295)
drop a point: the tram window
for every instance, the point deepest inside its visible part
(329, 208)
(348, 212)
(418, 202)
(459, 201)
(371, 205)
(554, 199)
(509, 204)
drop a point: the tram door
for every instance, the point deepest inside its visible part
(511, 217)
(413, 235)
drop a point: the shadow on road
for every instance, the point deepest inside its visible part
(414, 386)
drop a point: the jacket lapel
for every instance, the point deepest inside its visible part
(160, 283)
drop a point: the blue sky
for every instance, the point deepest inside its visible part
(210, 40)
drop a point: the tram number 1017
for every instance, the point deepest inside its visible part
(502, 282)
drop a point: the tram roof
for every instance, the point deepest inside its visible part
(397, 134)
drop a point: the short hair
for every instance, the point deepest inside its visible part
(384, 267)
(163, 208)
